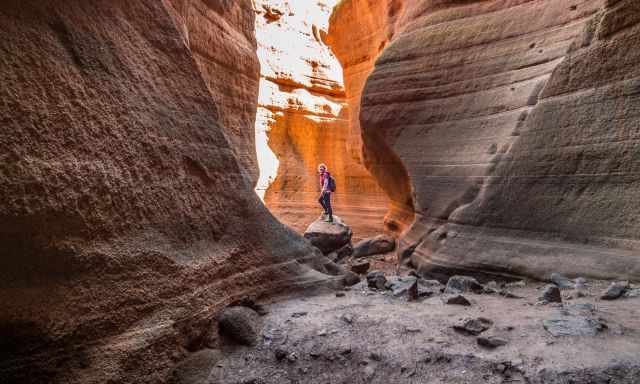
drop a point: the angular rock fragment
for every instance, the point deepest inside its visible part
(561, 281)
(374, 246)
(457, 300)
(573, 326)
(376, 279)
(551, 294)
(473, 326)
(349, 279)
(615, 290)
(241, 324)
(462, 284)
(491, 342)
(360, 267)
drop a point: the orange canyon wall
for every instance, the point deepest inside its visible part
(127, 217)
(304, 113)
(515, 124)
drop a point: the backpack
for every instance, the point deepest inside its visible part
(332, 184)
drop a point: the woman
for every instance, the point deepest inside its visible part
(325, 193)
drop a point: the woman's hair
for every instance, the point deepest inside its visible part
(322, 165)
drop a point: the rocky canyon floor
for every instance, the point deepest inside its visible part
(366, 335)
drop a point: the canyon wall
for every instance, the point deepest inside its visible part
(304, 115)
(225, 48)
(516, 123)
(127, 220)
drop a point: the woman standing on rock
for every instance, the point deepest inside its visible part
(325, 192)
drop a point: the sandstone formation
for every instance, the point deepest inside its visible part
(224, 48)
(127, 221)
(303, 115)
(515, 121)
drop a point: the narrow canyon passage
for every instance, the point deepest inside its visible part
(159, 185)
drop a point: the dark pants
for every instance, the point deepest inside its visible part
(325, 201)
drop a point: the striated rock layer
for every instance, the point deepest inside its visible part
(126, 220)
(303, 113)
(224, 49)
(516, 122)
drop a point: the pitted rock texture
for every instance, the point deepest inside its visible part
(302, 115)
(127, 221)
(517, 137)
(220, 36)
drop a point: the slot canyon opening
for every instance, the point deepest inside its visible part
(305, 118)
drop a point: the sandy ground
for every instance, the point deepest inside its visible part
(370, 336)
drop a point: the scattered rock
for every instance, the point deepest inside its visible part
(573, 326)
(347, 318)
(376, 279)
(580, 283)
(399, 286)
(374, 246)
(561, 281)
(462, 284)
(280, 354)
(615, 290)
(457, 300)
(295, 315)
(516, 284)
(242, 324)
(632, 292)
(473, 326)
(340, 294)
(412, 292)
(551, 294)
(196, 367)
(350, 279)
(328, 237)
(491, 342)
(344, 252)
(360, 267)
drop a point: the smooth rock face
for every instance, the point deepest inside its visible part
(514, 124)
(302, 119)
(128, 218)
(328, 237)
(374, 246)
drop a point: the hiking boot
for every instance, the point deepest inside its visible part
(329, 219)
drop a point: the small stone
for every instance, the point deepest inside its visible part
(491, 342)
(517, 284)
(551, 294)
(462, 284)
(615, 290)
(298, 314)
(340, 294)
(632, 292)
(376, 279)
(350, 279)
(347, 318)
(375, 356)
(457, 300)
(322, 332)
(292, 357)
(580, 283)
(412, 330)
(412, 292)
(360, 267)
(473, 326)
(561, 281)
(280, 354)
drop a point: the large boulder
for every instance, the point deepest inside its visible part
(374, 246)
(241, 324)
(328, 237)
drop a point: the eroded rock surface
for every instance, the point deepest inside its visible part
(303, 117)
(128, 217)
(513, 122)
